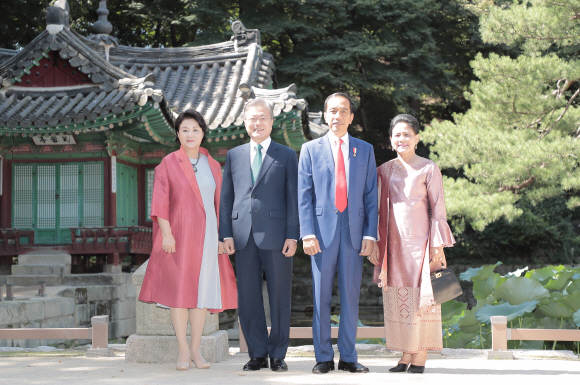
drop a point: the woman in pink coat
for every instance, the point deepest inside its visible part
(188, 270)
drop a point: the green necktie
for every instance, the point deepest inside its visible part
(257, 163)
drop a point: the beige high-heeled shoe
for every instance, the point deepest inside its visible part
(200, 364)
(180, 366)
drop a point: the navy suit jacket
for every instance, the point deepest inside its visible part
(316, 189)
(269, 207)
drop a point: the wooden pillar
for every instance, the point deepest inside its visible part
(6, 198)
(141, 194)
(499, 335)
(112, 190)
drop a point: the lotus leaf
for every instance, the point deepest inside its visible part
(516, 273)
(469, 323)
(482, 289)
(577, 318)
(478, 274)
(531, 345)
(573, 286)
(551, 323)
(458, 340)
(546, 273)
(505, 309)
(517, 290)
(555, 310)
(560, 281)
(571, 301)
(452, 309)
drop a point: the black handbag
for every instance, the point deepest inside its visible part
(445, 286)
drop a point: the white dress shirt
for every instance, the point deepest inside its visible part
(333, 139)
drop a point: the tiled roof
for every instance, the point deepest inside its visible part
(216, 80)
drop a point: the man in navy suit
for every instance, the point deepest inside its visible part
(337, 200)
(259, 222)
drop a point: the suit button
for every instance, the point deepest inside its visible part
(336, 211)
(253, 196)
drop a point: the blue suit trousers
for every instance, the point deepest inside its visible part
(341, 256)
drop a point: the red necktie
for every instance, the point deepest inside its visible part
(340, 197)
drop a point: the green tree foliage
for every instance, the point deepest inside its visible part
(518, 145)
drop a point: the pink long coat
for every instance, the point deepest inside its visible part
(172, 278)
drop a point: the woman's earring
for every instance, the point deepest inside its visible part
(415, 146)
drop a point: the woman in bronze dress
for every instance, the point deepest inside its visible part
(413, 230)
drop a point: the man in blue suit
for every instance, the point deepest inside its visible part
(259, 222)
(337, 200)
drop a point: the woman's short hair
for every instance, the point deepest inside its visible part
(404, 118)
(342, 94)
(259, 102)
(190, 114)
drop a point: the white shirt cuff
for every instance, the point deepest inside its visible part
(367, 237)
(311, 236)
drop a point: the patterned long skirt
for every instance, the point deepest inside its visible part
(408, 327)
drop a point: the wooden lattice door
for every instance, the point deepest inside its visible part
(53, 197)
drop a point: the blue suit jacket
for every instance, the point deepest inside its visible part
(269, 207)
(316, 191)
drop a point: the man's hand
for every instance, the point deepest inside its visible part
(229, 246)
(367, 247)
(168, 244)
(374, 257)
(311, 246)
(220, 248)
(289, 247)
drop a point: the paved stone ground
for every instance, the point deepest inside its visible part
(454, 367)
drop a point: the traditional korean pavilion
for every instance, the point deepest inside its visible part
(85, 120)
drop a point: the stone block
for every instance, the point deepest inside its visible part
(123, 310)
(153, 320)
(99, 293)
(139, 274)
(121, 328)
(33, 280)
(113, 269)
(126, 292)
(95, 279)
(21, 312)
(160, 349)
(40, 269)
(83, 314)
(44, 259)
(58, 307)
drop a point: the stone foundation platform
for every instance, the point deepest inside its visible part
(155, 349)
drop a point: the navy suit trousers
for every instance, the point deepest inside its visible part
(341, 256)
(251, 263)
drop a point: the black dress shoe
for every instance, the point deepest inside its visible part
(415, 369)
(256, 364)
(353, 367)
(278, 365)
(399, 368)
(323, 367)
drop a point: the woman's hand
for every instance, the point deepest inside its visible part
(437, 259)
(168, 244)
(374, 257)
(221, 248)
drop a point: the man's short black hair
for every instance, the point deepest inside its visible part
(344, 95)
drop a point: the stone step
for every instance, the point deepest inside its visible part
(33, 280)
(69, 279)
(40, 269)
(44, 259)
